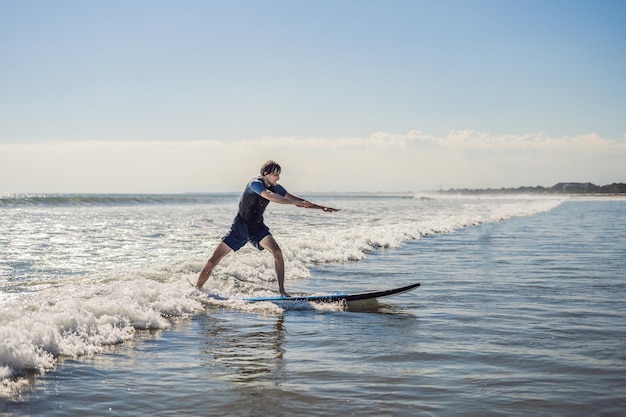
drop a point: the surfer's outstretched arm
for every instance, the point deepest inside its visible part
(301, 202)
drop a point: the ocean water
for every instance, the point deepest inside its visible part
(521, 309)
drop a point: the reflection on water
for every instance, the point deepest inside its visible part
(245, 351)
(375, 306)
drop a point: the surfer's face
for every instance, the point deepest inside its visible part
(272, 178)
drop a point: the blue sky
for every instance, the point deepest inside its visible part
(427, 93)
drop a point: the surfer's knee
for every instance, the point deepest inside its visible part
(271, 245)
(210, 264)
(278, 252)
(219, 253)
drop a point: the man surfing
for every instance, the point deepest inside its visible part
(249, 225)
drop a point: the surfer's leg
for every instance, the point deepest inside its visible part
(270, 244)
(222, 250)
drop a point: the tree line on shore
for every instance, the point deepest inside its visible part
(560, 188)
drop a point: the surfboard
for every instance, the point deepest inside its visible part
(331, 298)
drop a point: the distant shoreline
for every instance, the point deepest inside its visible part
(563, 188)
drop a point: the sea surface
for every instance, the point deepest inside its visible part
(521, 309)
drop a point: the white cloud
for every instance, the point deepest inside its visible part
(470, 139)
(381, 162)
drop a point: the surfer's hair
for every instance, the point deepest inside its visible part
(270, 167)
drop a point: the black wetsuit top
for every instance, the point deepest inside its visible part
(252, 205)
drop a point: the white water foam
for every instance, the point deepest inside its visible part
(80, 321)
